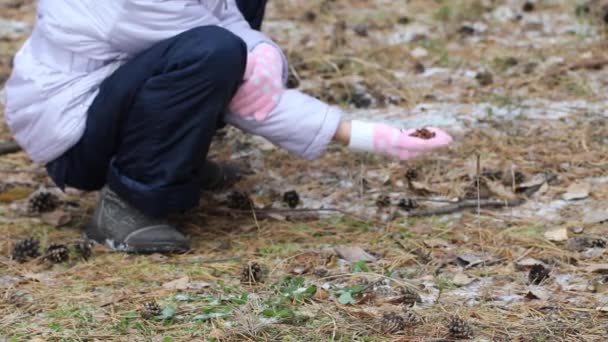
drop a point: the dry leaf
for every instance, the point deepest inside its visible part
(602, 308)
(499, 190)
(8, 281)
(198, 285)
(577, 191)
(57, 218)
(159, 257)
(596, 216)
(354, 254)
(462, 279)
(526, 263)
(436, 243)
(597, 268)
(321, 295)
(420, 188)
(533, 185)
(178, 284)
(536, 292)
(15, 194)
(557, 234)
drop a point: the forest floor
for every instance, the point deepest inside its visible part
(370, 253)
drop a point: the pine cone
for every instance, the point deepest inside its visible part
(411, 174)
(42, 202)
(407, 204)
(383, 201)
(538, 273)
(26, 249)
(391, 323)
(150, 310)
(239, 200)
(83, 248)
(410, 297)
(291, 198)
(459, 329)
(411, 319)
(57, 253)
(598, 243)
(252, 273)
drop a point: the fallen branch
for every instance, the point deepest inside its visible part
(8, 147)
(281, 214)
(466, 204)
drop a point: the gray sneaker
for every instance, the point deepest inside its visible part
(124, 228)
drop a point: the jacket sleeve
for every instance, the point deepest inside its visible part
(143, 22)
(300, 124)
(232, 19)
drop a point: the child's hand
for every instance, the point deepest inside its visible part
(402, 144)
(262, 87)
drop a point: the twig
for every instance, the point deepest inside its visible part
(466, 204)
(293, 214)
(8, 147)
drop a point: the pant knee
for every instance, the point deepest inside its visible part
(221, 53)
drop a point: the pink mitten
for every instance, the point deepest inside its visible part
(262, 84)
(403, 144)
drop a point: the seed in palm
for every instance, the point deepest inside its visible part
(391, 323)
(83, 249)
(42, 202)
(26, 249)
(57, 253)
(410, 297)
(150, 309)
(239, 200)
(407, 204)
(291, 198)
(459, 329)
(252, 273)
(383, 201)
(538, 273)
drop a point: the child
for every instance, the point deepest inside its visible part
(125, 96)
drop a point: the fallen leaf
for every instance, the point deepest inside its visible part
(8, 280)
(577, 191)
(57, 218)
(354, 254)
(178, 284)
(198, 285)
(536, 292)
(15, 194)
(557, 234)
(499, 190)
(462, 279)
(602, 308)
(159, 257)
(42, 277)
(420, 189)
(436, 243)
(597, 268)
(469, 260)
(527, 263)
(533, 184)
(596, 216)
(321, 295)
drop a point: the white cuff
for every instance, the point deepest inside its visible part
(361, 136)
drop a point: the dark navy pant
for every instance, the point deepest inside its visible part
(149, 129)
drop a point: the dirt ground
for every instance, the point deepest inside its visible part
(499, 238)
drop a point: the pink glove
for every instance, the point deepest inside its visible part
(402, 144)
(262, 84)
